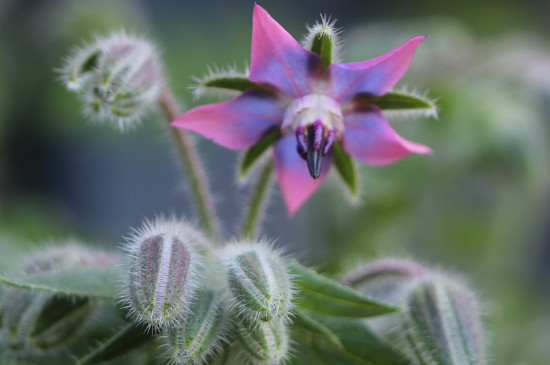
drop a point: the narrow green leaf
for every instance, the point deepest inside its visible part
(322, 45)
(319, 294)
(126, 339)
(359, 341)
(252, 155)
(346, 169)
(86, 281)
(397, 101)
(236, 83)
(309, 353)
(312, 328)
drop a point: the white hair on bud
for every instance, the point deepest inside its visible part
(117, 77)
(194, 242)
(325, 26)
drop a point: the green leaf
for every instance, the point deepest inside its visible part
(87, 281)
(346, 169)
(322, 45)
(126, 339)
(398, 101)
(236, 83)
(309, 353)
(311, 328)
(252, 155)
(359, 341)
(322, 295)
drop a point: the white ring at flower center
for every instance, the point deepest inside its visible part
(309, 108)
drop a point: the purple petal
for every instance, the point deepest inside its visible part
(370, 138)
(237, 123)
(373, 77)
(278, 59)
(295, 182)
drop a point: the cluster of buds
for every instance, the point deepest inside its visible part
(37, 325)
(441, 322)
(206, 302)
(117, 77)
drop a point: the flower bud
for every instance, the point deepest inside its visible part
(386, 280)
(202, 331)
(443, 324)
(259, 281)
(41, 325)
(162, 272)
(118, 77)
(263, 342)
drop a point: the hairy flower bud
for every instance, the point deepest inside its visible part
(202, 331)
(259, 281)
(162, 272)
(118, 77)
(263, 342)
(41, 325)
(443, 324)
(386, 280)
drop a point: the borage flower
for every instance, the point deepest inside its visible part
(313, 111)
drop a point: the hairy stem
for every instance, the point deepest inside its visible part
(195, 172)
(258, 199)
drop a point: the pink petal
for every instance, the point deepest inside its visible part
(278, 59)
(237, 123)
(373, 77)
(370, 138)
(295, 182)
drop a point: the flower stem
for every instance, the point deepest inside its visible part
(257, 202)
(195, 172)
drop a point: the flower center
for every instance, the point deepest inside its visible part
(316, 120)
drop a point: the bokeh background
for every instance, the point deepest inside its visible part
(480, 206)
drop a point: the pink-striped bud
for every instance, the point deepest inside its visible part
(162, 272)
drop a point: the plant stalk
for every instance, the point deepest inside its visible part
(256, 205)
(196, 176)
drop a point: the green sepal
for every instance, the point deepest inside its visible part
(319, 294)
(86, 281)
(347, 169)
(252, 155)
(322, 44)
(308, 327)
(227, 82)
(400, 101)
(126, 339)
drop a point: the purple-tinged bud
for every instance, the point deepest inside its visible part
(162, 272)
(386, 280)
(259, 281)
(443, 324)
(37, 325)
(263, 342)
(202, 332)
(117, 77)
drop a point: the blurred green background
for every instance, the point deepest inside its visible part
(480, 206)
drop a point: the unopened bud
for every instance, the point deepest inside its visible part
(443, 324)
(386, 280)
(259, 281)
(41, 325)
(118, 77)
(162, 272)
(263, 342)
(202, 332)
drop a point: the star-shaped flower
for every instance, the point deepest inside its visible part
(312, 110)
